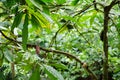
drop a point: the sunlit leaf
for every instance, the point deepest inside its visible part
(38, 3)
(25, 32)
(52, 73)
(60, 1)
(29, 3)
(92, 17)
(63, 29)
(44, 22)
(35, 22)
(40, 18)
(17, 20)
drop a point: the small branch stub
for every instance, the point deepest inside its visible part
(37, 49)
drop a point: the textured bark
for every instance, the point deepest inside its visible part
(105, 46)
(105, 38)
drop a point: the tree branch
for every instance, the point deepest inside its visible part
(97, 3)
(57, 52)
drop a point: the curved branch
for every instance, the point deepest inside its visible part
(57, 52)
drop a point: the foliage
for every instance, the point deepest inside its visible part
(57, 39)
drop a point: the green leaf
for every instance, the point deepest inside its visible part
(46, 1)
(29, 3)
(59, 65)
(74, 2)
(2, 77)
(14, 8)
(46, 10)
(9, 3)
(40, 18)
(17, 20)
(100, 18)
(63, 29)
(52, 73)
(8, 55)
(3, 14)
(25, 32)
(1, 62)
(35, 75)
(35, 22)
(1, 58)
(38, 3)
(44, 22)
(60, 1)
(93, 17)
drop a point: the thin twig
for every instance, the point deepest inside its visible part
(82, 35)
(83, 10)
(67, 22)
(54, 37)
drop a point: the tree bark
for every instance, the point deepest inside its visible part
(105, 44)
(105, 38)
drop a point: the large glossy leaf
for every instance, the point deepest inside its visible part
(17, 20)
(40, 18)
(25, 32)
(44, 22)
(52, 73)
(35, 75)
(35, 22)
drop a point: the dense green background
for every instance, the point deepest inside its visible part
(57, 39)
